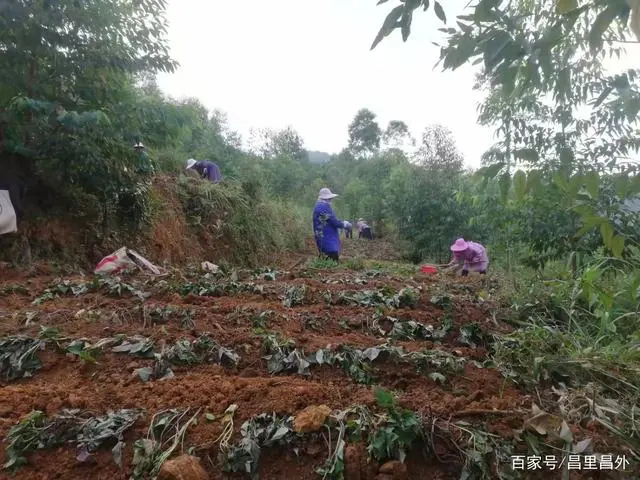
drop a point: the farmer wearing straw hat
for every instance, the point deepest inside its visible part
(471, 254)
(326, 225)
(143, 163)
(206, 168)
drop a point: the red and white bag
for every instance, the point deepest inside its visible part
(123, 259)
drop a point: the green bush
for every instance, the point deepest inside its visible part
(240, 215)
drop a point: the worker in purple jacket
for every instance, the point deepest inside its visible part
(326, 225)
(206, 168)
(472, 255)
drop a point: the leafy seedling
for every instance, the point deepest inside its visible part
(294, 295)
(256, 433)
(166, 432)
(395, 436)
(473, 336)
(87, 432)
(19, 357)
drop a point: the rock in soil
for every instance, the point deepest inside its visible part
(397, 470)
(354, 323)
(184, 467)
(311, 418)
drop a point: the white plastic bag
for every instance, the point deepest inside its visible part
(8, 221)
(124, 258)
(209, 267)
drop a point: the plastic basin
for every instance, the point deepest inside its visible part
(428, 269)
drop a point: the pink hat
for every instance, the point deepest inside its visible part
(459, 246)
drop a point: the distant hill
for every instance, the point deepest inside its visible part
(318, 157)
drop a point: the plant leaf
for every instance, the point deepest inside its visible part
(592, 182)
(617, 245)
(440, 12)
(384, 399)
(606, 230)
(601, 24)
(281, 432)
(116, 451)
(565, 433)
(389, 25)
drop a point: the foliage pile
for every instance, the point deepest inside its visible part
(112, 286)
(19, 358)
(206, 286)
(389, 435)
(282, 356)
(405, 298)
(258, 432)
(88, 433)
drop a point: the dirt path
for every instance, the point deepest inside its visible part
(455, 386)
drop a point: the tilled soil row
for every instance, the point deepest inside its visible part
(239, 321)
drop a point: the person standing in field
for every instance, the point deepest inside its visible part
(472, 256)
(326, 225)
(206, 168)
(364, 230)
(144, 166)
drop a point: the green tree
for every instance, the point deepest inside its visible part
(65, 68)
(76, 52)
(270, 143)
(541, 70)
(364, 133)
(397, 135)
(438, 151)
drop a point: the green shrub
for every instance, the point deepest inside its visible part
(239, 215)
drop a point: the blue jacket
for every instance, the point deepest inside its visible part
(209, 170)
(325, 228)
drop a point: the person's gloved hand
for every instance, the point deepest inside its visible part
(465, 272)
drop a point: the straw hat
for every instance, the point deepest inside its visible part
(459, 246)
(325, 194)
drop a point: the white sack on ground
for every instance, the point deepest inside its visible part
(124, 258)
(8, 220)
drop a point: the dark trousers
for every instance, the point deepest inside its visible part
(366, 233)
(348, 233)
(335, 256)
(465, 273)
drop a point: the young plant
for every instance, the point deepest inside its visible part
(294, 295)
(401, 428)
(166, 432)
(87, 432)
(19, 357)
(258, 432)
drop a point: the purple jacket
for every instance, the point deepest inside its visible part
(475, 257)
(209, 170)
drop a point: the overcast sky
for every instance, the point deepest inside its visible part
(307, 63)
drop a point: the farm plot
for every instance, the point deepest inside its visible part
(295, 375)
